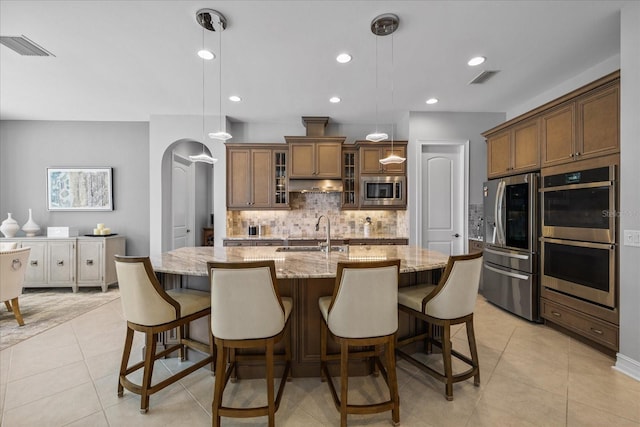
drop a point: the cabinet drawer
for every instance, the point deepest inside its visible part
(585, 325)
(232, 243)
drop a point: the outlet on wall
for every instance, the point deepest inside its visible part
(632, 238)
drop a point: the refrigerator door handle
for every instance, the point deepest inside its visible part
(498, 212)
(507, 254)
(507, 273)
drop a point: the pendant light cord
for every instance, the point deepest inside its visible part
(220, 71)
(203, 134)
(392, 90)
(377, 92)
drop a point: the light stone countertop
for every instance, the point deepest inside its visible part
(319, 236)
(295, 265)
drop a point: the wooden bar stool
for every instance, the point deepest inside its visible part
(362, 312)
(449, 303)
(149, 309)
(248, 312)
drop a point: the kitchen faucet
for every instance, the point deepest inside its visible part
(327, 245)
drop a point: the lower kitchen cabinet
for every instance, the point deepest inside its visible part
(71, 262)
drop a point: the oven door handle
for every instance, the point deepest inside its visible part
(507, 254)
(507, 273)
(578, 186)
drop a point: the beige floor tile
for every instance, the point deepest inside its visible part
(52, 339)
(48, 383)
(94, 420)
(35, 360)
(488, 357)
(57, 410)
(528, 368)
(579, 415)
(5, 363)
(518, 401)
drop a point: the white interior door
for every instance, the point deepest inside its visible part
(182, 202)
(443, 201)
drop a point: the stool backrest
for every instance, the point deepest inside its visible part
(456, 294)
(245, 302)
(7, 246)
(144, 301)
(365, 299)
(13, 267)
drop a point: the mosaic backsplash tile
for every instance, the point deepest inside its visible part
(306, 208)
(476, 221)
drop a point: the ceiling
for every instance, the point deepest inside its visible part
(128, 60)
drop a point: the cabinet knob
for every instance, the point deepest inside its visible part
(34, 263)
(571, 155)
(577, 154)
(555, 313)
(89, 262)
(60, 263)
(596, 331)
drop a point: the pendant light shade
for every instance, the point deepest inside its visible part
(203, 158)
(392, 158)
(377, 136)
(213, 20)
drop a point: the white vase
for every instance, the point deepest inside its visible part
(9, 227)
(30, 227)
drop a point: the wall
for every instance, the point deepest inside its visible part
(447, 127)
(27, 148)
(628, 360)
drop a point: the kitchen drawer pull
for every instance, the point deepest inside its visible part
(555, 313)
(507, 273)
(596, 331)
(60, 263)
(34, 263)
(507, 254)
(89, 262)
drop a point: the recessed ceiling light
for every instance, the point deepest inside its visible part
(334, 99)
(343, 58)
(235, 98)
(476, 61)
(432, 101)
(205, 54)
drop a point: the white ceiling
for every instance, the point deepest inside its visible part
(128, 60)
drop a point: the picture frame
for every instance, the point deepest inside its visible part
(80, 189)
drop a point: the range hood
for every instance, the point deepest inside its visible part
(315, 186)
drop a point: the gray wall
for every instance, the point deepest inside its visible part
(27, 148)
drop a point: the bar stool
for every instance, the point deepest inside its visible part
(248, 313)
(13, 267)
(149, 309)
(449, 303)
(362, 312)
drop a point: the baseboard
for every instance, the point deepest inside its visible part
(627, 366)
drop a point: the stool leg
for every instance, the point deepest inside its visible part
(212, 349)
(8, 305)
(323, 349)
(471, 337)
(234, 365)
(344, 381)
(446, 358)
(393, 379)
(270, 384)
(219, 384)
(128, 341)
(149, 359)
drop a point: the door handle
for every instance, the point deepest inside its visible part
(188, 231)
(456, 235)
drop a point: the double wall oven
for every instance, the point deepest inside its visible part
(510, 278)
(578, 244)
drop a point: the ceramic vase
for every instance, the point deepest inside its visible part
(30, 227)
(9, 227)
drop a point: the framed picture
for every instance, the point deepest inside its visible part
(80, 189)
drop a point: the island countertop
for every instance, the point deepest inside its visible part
(192, 261)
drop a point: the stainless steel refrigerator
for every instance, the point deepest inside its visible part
(511, 250)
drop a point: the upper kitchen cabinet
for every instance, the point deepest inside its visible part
(514, 150)
(371, 152)
(583, 128)
(315, 157)
(256, 177)
(350, 181)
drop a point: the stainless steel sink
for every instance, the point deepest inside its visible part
(311, 249)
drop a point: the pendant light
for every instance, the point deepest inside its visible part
(389, 23)
(203, 16)
(376, 136)
(221, 23)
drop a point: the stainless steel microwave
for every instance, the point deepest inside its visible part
(383, 191)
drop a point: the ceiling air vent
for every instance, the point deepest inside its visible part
(24, 46)
(483, 77)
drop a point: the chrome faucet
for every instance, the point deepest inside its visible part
(327, 245)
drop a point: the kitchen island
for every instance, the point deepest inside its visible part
(304, 276)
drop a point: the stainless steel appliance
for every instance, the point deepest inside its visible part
(582, 269)
(383, 191)
(510, 278)
(580, 205)
(579, 232)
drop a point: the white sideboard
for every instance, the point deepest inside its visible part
(73, 262)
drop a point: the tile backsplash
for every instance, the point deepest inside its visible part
(476, 220)
(300, 221)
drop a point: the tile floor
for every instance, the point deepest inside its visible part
(531, 376)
